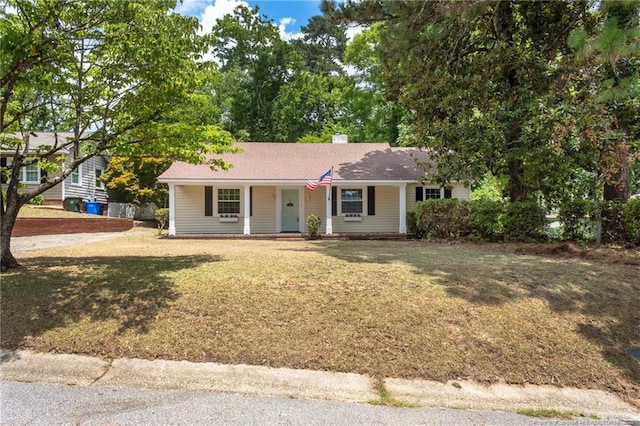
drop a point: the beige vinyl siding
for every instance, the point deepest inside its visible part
(461, 193)
(263, 220)
(190, 218)
(316, 204)
(458, 191)
(53, 194)
(386, 218)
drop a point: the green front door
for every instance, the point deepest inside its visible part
(290, 211)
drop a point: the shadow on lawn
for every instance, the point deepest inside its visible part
(50, 292)
(606, 296)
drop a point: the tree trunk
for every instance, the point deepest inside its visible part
(617, 189)
(7, 222)
(517, 189)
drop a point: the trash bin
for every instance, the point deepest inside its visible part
(72, 204)
(93, 207)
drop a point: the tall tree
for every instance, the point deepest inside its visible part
(615, 47)
(105, 70)
(471, 73)
(256, 62)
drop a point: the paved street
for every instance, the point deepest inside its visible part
(49, 403)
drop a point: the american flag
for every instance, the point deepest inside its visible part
(325, 179)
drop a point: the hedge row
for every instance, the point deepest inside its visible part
(484, 220)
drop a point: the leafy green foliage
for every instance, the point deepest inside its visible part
(613, 222)
(632, 220)
(443, 218)
(524, 221)
(313, 226)
(577, 223)
(116, 74)
(486, 218)
(162, 219)
(134, 180)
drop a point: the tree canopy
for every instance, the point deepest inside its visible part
(115, 74)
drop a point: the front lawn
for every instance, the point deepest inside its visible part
(387, 309)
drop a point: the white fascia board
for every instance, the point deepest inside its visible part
(278, 182)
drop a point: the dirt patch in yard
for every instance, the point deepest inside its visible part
(609, 254)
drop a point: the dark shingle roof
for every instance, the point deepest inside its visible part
(270, 161)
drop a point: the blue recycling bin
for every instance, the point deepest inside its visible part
(93, 207)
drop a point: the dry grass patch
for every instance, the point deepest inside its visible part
(387, 309)
(49, 212)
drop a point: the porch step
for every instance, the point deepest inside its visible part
(294, 236)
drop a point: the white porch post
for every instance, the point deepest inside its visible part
(403, 208)
(172, 209)
(328, 202)
(247, 210)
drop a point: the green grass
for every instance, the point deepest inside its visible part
(385, 399)
(548, 413)
(49, 212)
(384, 308)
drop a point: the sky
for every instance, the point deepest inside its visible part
(288, 15)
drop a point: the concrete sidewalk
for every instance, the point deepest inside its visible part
(78, 370)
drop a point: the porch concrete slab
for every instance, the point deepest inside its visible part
(27, 366)
(245, 379)
(469, 395)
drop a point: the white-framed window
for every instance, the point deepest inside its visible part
(98, 172)
(351, 201)
(228, 201)
(30, 174)
(433, 193)
(76, 176)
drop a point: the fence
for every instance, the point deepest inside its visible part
(129, 211)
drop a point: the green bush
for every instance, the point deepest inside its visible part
(632, 221)
(36, 201)
(574, 216)
(162, 219)
(524, 221)
(486, 218)
(313, 226)
(443, 218)
(413, 226)
(613, 221)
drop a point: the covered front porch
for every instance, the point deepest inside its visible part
(275, 208)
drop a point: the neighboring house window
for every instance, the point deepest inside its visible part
(99, 172)
(76, 176)
(228, 201)
(30, 174)
(351, 200)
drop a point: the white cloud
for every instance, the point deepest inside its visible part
(190, 7)
(216, 11)
(282, 28)
(354, 31)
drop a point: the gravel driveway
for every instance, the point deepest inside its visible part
(22, 244)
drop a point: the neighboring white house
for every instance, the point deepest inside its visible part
(373, 187)
(83, 182)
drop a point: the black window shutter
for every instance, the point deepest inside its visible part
(3, 164)
(334, 201)
(43, 176)
(251, 201)
(371, 200)
(208, 201)
(447, 193)
(419, 194)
